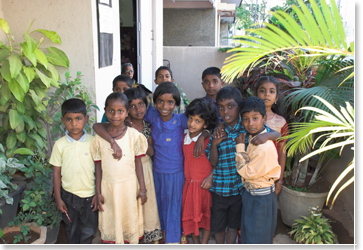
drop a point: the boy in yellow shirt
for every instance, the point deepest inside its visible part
(74, 175)
(259, 169)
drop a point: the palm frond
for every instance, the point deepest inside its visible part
(320, 34)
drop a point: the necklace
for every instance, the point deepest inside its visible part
(121, 133)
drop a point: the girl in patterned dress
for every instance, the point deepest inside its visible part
(120, 186)
(267, 88)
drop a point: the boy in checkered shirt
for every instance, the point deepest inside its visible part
(221, 152)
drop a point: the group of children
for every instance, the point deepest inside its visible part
(157, 171)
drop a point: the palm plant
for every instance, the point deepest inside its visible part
(335, 129)
(317, 38)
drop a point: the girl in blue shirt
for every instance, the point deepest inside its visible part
(167, 131)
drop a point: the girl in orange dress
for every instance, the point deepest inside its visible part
(197, 199)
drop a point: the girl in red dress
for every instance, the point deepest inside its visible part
(197, 200)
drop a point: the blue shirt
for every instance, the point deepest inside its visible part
(226, 180)
(104, 118)
(214, 102)
(168, 141)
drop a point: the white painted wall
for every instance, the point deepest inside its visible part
(157, 49)
(188, 63)
(104, 76)
(3, 37)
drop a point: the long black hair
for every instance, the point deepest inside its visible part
(205, 110)
(278, 106)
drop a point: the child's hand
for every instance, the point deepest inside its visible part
(207, 182)
(94, 203)
(100, 201)
(198, 148)
(260, 139)
(117, 151)
(278, 187)
(143, 198)
(241, 138)
(61, 206)
(128, 122)
(216, 140)
(219, 130)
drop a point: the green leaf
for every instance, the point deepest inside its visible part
(57, 57)
(43, 132)
(25, 207)
(20, 128)
(32, 204)
(5, 92)
(20, 108)
(24, 151)
(31, 42)
(15, 65)
(4, 52)
(37, 138)
(29, 54)
(35, 97)
(14, 118)
(17, 90)
(53, 72)
(52, 35)
(5, 71)
(29, 121)
(29, 72)
(45, 80)
(4, 26)
(41, 57)
(22, 136)
(23, 82)
(11, 141)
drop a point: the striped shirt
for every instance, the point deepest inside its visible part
(226, 180)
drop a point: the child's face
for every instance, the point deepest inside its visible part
(253, 122)
(137, 109)
(195, 125)
(268, 93)
(165, 104)
(229, 111)
(74, 123)
(163, 76)
(120, 87)
(116, 112)
(129, 71)
(212, 84)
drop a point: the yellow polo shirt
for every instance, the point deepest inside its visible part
(78, 168)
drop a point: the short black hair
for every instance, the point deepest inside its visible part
(205, 110)
(212, 71)
(135, 93)
(167, 88)
(122, 78)
(74, 105)
(253, 103)
(230, 93)
(123, 68)
(117, 95)
(278, 106)
(161, 68)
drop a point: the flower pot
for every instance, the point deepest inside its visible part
(8, 210)
(294, 204)
(52, 235)
(41, 230)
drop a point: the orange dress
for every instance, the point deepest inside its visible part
(196, 201)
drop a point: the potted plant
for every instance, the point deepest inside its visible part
(319, 34)
(313, 230)
(9, 190)
(14, 234)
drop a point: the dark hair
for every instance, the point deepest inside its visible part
(73, 105)
(205, 110)
(161, 68)
(253, 103)
(230, 93)
(117, 95)
(278, 107)
(212, 71)
(167, 88)
(135, 93)
(122, 78)
(123, 68)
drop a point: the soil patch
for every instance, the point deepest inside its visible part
(8, 238)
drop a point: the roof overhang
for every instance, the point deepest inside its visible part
(188, 4)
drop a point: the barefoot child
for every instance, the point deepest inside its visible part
(74, 175)
(259, 169)
(197, 200)
(267, 88)
(117, 189)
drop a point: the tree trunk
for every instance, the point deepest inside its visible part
(303, 172)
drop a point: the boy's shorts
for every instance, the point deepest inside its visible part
(226, 211)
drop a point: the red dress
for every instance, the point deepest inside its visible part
(196, 201)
